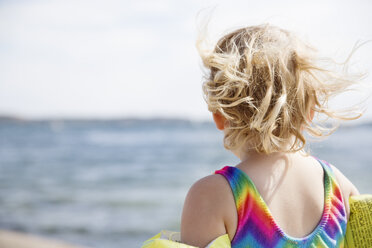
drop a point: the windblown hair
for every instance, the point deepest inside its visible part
(265, 81)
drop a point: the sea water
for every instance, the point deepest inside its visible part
(117, 183)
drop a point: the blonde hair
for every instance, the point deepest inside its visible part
(265, 81)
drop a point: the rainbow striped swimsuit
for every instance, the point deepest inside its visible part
(257, 227)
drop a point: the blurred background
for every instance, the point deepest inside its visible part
(103, 128)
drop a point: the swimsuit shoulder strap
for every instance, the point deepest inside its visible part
(253, 214)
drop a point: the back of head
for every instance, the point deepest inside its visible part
(266, 82)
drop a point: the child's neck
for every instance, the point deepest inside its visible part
(255, 156)
(245, 153)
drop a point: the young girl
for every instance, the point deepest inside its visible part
(263, 87)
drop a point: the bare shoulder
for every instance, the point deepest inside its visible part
(347, 187)
(203, 211)
(344, 182)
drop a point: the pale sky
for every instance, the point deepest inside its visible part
(115, 58)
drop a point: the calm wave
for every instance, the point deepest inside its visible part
(117, 183)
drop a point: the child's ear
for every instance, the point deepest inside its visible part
(311, 114)
(219, 120)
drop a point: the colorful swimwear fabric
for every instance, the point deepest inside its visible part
(257, 227)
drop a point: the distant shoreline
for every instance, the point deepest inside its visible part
(144, 120)
(125, 120)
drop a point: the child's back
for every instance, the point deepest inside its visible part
(291, 190)
(263, 91)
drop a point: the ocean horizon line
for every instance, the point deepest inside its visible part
(140, 119)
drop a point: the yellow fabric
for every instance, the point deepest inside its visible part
(169, 239)
(222, 241)
(359, 226)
